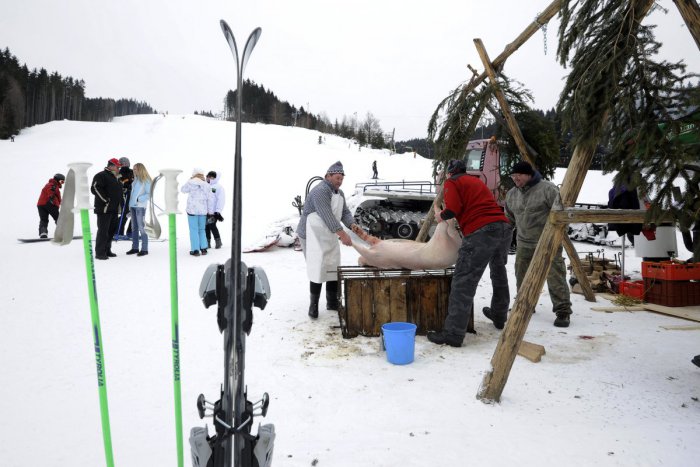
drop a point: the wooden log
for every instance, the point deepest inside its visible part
(353, 297)
(382, 301)
(577, 268)
(690, 12)
(532, 352)
(513, 127)
(398, 300)
(370, 327)
(619, 216)
(502, 361)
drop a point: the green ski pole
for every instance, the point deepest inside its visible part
(171, 209)
(82, 205)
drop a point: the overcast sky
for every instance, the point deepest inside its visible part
(394, 58)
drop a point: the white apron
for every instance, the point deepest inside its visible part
(322, 249)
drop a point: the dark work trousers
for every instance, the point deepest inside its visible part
(487, 246)
(557, 285)
(211, 229)
(45, 211)
(107, 224)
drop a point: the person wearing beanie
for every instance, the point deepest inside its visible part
(126, 177)
(486, 237)
(49, 202)
(320, 227)
(528, 205)
(108, 201)
(219, 195)
(200, 202)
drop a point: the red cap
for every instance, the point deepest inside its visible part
(114, 161)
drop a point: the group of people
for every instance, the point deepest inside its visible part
(487, 231)
(120, 190)
(205, 201)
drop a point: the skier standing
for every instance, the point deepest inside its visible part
(219, 200)
(200, 202)
(374, 170)
(126, 177)
(49, 201)
(108, 200)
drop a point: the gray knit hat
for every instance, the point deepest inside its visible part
(124, 161)
(336, 168)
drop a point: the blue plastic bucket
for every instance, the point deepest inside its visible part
(399, 341)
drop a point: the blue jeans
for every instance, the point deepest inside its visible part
(486, 246)
(138, 229)
(198, 236)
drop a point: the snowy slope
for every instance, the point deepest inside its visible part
(626, 394)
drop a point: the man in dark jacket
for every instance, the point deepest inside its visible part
(108, 199)
(487, 236)
(126, 177)
(49, 202)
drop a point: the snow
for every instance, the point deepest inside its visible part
(612, 389)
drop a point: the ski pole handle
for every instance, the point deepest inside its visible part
(82, 194)
(171, 189)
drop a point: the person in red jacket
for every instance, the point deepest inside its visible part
(49, 201)
(487, 236)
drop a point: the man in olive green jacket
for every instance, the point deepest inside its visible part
(528, 205)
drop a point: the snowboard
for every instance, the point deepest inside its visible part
(48, 239)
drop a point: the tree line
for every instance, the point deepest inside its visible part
(263, 106)
(32, 97)
(541, 128)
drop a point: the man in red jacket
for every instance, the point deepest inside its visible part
(49, 201)
(487, 236)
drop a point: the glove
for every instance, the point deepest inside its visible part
(211, 219)
(218, 216)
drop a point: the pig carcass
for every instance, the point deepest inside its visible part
(438, 253)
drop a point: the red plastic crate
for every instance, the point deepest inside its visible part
(672, 293)
(634, 289)
(670, 271)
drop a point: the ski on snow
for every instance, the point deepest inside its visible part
(235, 289)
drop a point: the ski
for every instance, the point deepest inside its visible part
(47, 239)
(236, 289)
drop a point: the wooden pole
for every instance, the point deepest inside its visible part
(691, 15)
(551, 238)
(504, 356)
(507, 114)
(577, 267)
(543, 18)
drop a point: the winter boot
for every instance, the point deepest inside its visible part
(313, 307)
(498, 321)
(218, 243)
(332, 295)
(562, 320)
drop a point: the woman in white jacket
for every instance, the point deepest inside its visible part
(200, 202)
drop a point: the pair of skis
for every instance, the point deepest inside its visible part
(236, 289)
